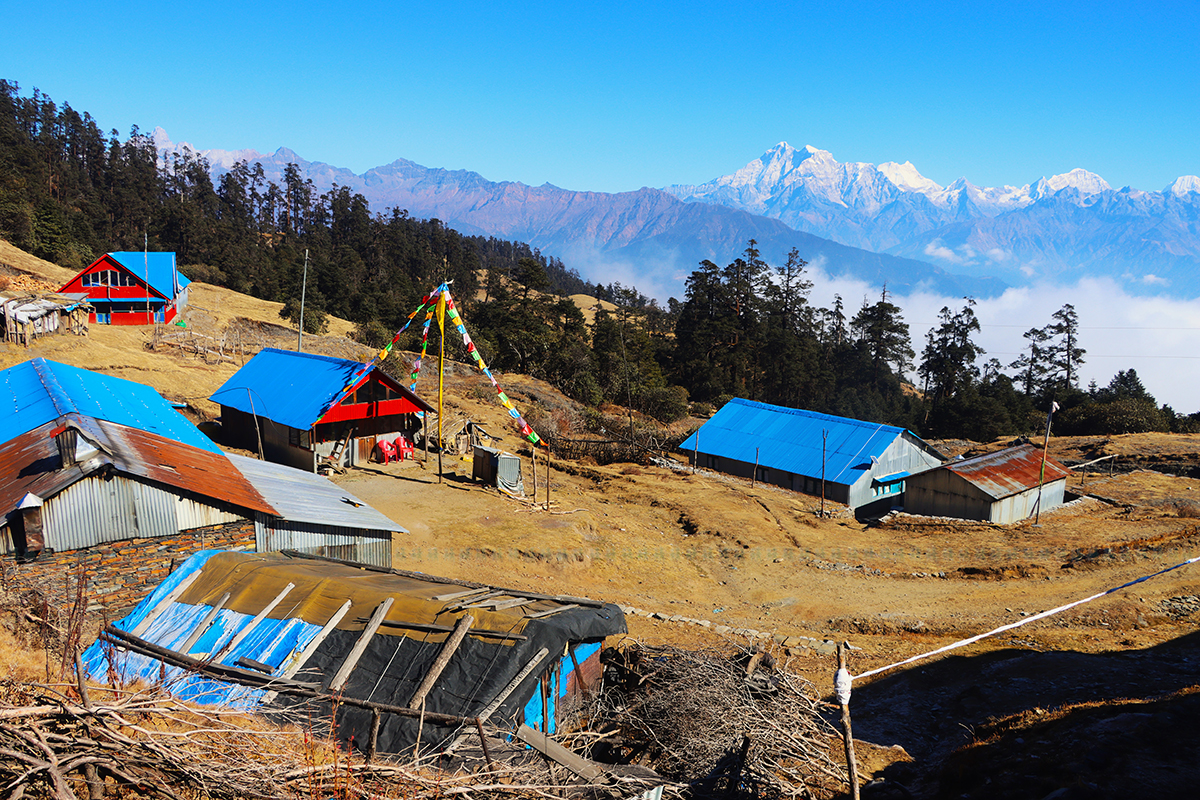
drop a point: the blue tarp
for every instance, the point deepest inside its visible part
(272, 642)
(38, 391)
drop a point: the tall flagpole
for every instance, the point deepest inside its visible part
(441, 317)
(1037, 515)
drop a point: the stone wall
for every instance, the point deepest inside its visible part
(118, 574)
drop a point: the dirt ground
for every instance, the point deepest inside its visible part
(719, 552)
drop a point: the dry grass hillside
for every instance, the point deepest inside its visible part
(703, 556)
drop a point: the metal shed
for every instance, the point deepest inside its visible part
(316, 516)
(1001, 487)
(497, 468)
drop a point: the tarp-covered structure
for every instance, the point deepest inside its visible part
(271, 631)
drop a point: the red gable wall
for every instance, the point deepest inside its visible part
(136, 313)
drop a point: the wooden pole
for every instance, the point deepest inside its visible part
(535, 473)
(843, 673)
(696, 452)
(360, 647)
(199, 630)
(824, 440)
(754, 476)
(1037, 514)
(547, 477)
(448, 649)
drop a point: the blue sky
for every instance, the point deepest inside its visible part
(616, 96)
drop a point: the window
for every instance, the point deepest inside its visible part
(373, 392)
(762, 474)
(300, 438)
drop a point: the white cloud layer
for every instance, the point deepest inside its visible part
(1157, 336)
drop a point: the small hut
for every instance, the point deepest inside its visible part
(394, 657)
(1006, 486)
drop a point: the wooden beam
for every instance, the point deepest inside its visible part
(162, 604)
(551, 611)
(360, 647)
(257, 680)
(293, 665)
(259, 617)
(428, 628)
(199, 630)
(447, 652)
(499, 699)
(555, 751)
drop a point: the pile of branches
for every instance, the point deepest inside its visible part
(145, 744)
(727, 723)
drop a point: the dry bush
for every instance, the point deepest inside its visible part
(699, 717)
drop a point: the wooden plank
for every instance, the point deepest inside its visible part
(199, 630)
(447, 652)
(293, 665)
(550, 611)
(423, 626)
(553, 750)
(162, 604)
(457, 595)
(499, 699)
(360, 647)
(259, 617)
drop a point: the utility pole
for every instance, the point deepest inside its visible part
(303, 288)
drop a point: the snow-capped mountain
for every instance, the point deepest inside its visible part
(1068, 222)
(645, 238)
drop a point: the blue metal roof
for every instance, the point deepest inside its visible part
(293, 389)
(158, 267)
(38, 391)
(790, 439)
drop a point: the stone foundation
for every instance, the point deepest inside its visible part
(118, 575)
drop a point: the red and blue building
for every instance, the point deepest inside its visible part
(132, 288)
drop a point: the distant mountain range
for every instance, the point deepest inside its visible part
(884, 223)
(1060, 227)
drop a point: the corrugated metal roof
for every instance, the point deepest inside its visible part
(300, 496)
(31, 462)
(294, 389)
(790, 439)
(37, 391)
(159, 266)
(1007, 472)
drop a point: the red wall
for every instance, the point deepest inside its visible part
(118, 292)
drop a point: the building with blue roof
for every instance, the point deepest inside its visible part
(302, 408)
(849, 461)
(134, 288)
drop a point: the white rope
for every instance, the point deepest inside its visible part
(1019, 623)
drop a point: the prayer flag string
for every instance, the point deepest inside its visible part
(440, 302)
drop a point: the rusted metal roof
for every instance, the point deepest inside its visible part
(1007, 472)
(32, 462)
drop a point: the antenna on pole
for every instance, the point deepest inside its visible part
(303, 288)
(145, 273)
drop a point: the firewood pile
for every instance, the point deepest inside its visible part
(86, 741)
(730, 724)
